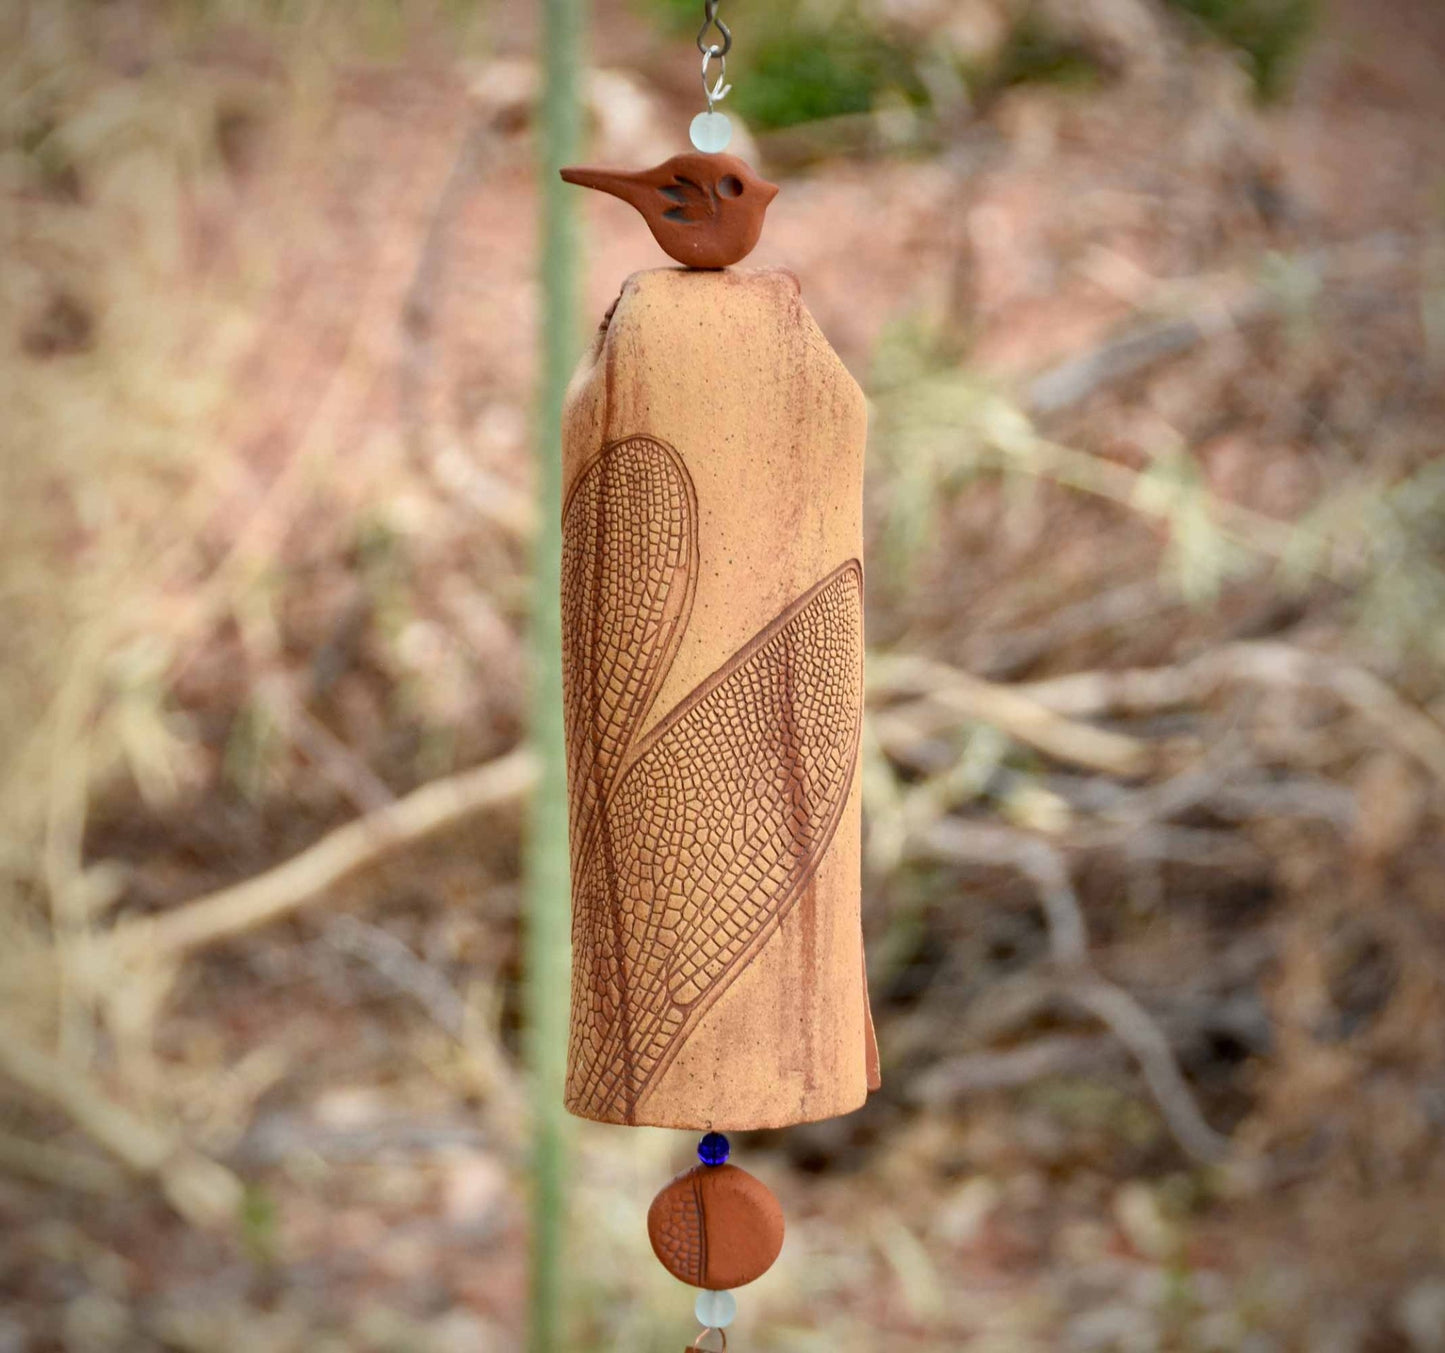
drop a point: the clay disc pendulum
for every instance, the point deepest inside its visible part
(715, 1226)
(712, 607)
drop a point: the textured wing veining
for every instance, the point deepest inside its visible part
(678, 1233)
(714, 827)
(629, 553)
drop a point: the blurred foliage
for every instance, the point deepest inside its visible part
(1271, 34)
(1401, 603)
(795, 63)
(1035, 53)
(791, 64)
(797, 74)
(940, 427)
(372, 29)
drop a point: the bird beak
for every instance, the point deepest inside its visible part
(768, 190)
(604, 180)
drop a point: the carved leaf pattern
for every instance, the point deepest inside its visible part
(694, 202)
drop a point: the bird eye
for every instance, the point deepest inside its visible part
(730, 185)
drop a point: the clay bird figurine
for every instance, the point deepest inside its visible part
(706, 211)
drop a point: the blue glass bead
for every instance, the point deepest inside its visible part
(713, 1149)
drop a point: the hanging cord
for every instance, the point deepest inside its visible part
(714, 50)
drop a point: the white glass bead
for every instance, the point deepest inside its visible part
(715, 1310)
(711, 132)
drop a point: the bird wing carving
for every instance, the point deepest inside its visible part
(715, 825)
(629, 562)
(692, 202)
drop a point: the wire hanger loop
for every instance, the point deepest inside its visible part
(712, 50)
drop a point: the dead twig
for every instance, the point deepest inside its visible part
(1044, 865)
(1039, 862)
(1245, 797)
(1073, 380)
(402, 969)
(996, 654)
(1013, 1068)
(1137, 1030)
(501, 504)
(56, 1167)
(277, 1137)
(1217, 305)
(201, 1190)
(205, 1193)
(1085, 695)
(341, 765)
(309, 876)
(952, 695)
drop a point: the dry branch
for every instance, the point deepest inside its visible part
(201, 1190)
(501, 504)
(310, 875)
(1085, 695)
(976, 1073)
(56, 1167)
(205, 1193)
(1137, 820)
(1047, 714)
(952, 695)
(1072, 381)
(1044, 865)
(401, 969)
(1137, 1030)
(1217, 305)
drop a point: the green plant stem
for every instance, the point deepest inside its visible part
(547, 860)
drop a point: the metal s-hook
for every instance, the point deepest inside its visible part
(704, 43)
(717, 90)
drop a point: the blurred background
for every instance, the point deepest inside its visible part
(1148, 297)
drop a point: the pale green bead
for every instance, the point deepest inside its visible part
(711, 132)
(715, 1310)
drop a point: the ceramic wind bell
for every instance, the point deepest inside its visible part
(712, 595)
